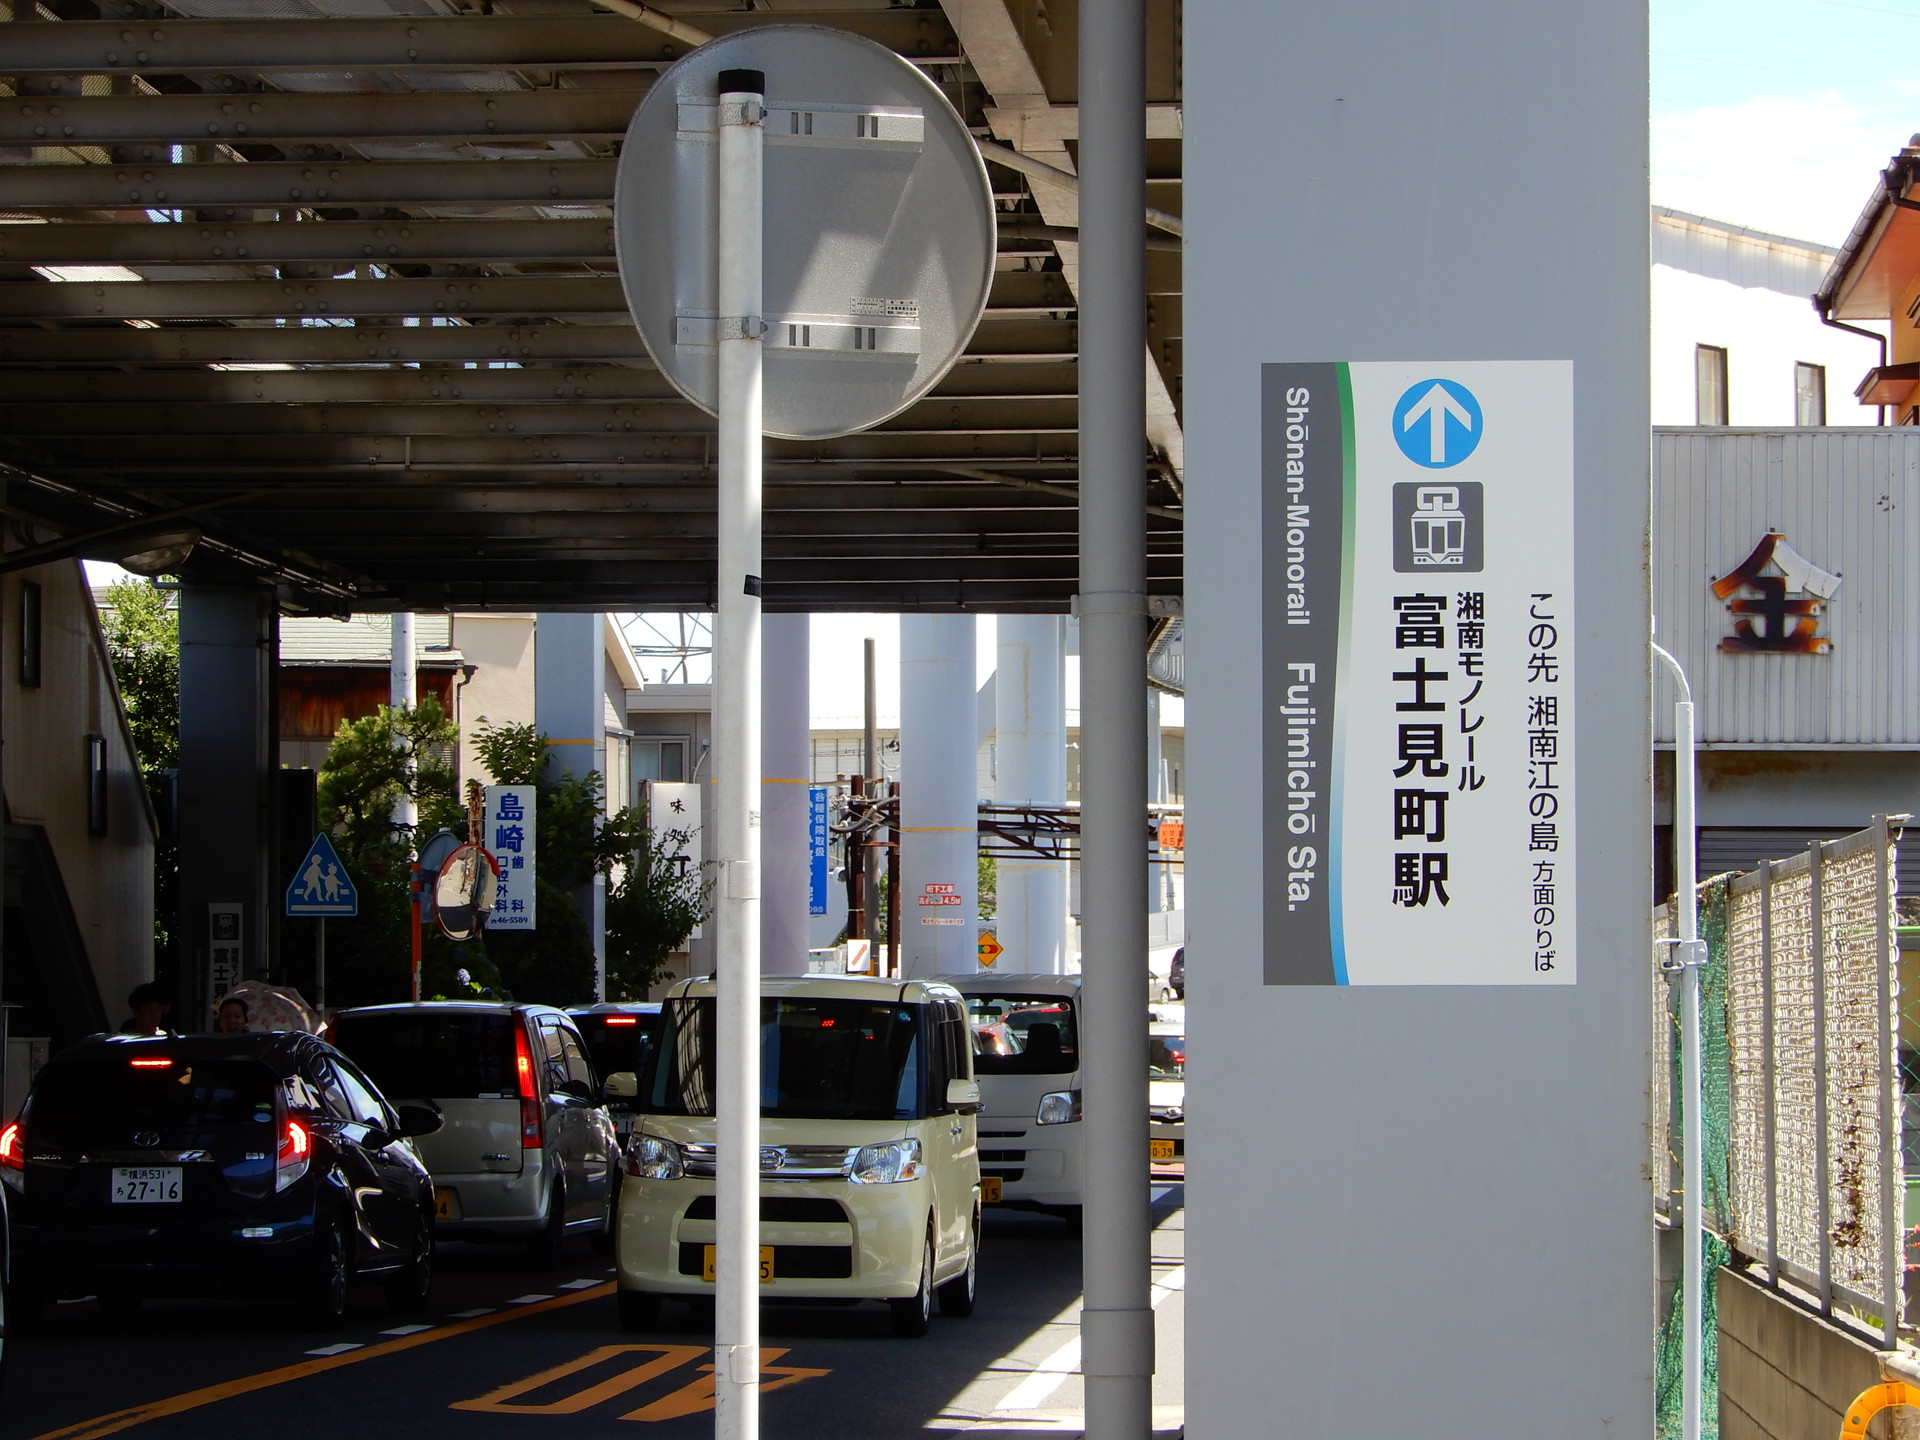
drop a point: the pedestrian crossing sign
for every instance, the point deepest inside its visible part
(320, 888)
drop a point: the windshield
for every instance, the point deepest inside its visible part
(184, 1103)
(416, 1055)
(820, 1059)
(617, 1042)
(1022, 1035)
(1166, 1057)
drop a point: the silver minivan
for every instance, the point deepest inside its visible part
(527, 1151)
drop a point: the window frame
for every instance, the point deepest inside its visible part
(97, 775)
(1707, 359)
(1819, 376)
(32, 632)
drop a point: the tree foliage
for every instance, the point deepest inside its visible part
(142, 629)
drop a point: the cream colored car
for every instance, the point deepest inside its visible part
(870, 1169)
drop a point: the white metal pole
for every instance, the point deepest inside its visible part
(1689, 958)
(400, 689)
(736, 725)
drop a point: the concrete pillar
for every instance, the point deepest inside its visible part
(569, 707)
(1030, 914)
(229, 755)
(939, 847)
(786, 767)
(400, 688)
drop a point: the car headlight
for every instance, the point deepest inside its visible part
(886, 1164)
(1060, 1108)
(651, 1158)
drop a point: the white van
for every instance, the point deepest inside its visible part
(527, 1151)
(1026, 1055)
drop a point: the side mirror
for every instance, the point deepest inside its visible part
(419, 1120)
(575, 1090)
(621, 1085)
(963, 1096)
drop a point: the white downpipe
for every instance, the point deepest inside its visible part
(736, 726)
(400, 690)
(1689, 957)
(1031, 750)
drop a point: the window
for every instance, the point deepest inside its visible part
(1709, 385)
(96, 784)
(657, 757)
(30, 633)
(1809, 394)
(1023, 1034)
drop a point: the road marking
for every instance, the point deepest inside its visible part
(690, 1399)
(528, 1299)
(578, 1284)
(246, 1384)
(406, 1330)
(338, 1349)
(1051, 1373)
(469, 1314)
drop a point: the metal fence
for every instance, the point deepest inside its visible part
(1808, 1024)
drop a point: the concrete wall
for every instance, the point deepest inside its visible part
(500, 647)
(1786, 1374)
(109, 878)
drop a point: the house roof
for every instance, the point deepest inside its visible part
(1882, 254)
(363, 640)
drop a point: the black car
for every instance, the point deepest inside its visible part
(1177, 974)
(619, 1036)
(214, 1165)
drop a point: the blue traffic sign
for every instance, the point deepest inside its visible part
(1437, 423)
(320, 888)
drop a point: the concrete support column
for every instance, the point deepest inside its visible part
(229, 755)
(400, 689)
(939, 906)
(569, 707)
(1030, 909)
(786, 767)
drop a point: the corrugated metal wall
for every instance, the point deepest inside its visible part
(1849, 501)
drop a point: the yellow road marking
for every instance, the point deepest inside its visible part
(665, 1358)
(246, 1384)
(697, 1395)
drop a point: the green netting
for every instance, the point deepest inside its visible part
(1714, 1119)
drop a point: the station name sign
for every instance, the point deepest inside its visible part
(1418, 673)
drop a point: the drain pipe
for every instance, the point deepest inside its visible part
(1823, 307)
(1689, 957)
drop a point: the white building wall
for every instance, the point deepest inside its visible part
(1749, 293)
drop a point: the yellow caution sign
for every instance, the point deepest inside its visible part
(990, 948)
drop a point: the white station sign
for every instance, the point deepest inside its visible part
(1419, 673)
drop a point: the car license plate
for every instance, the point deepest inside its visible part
(990, 1189)
(711, 1260)
(147, 1184)
(446, 1204)
(1162, 1149)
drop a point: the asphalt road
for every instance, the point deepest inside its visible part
(501, 1346)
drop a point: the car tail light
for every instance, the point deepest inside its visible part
(532, 1123)
(13, 1147)
(296, 1150)
(151, 1062)
(620, 1020)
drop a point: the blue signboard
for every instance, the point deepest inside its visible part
(320, 887)
(817, 833)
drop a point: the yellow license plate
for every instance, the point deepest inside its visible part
(1162, 1149)
(990, 1189)
(710, 1262)
(446, 1204)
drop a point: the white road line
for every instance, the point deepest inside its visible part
(528, 1299)
(581, 1284)
(469, 1314)
(406, 1330)
(337, 1349)
(1051, 1373)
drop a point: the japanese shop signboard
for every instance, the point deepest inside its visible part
(511, 815)
(1419, 673)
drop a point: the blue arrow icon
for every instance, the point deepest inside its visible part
(1437, 423)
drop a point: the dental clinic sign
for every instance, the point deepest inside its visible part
(1418, 661)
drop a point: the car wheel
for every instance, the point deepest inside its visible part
(25, 1310)
(545, 1246)
(956, 1296)
(913, 1316)
(639, 1310)
(409, 1288)
(325, 1299)
(603, 1237)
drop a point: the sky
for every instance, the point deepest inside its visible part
(1778, 114)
